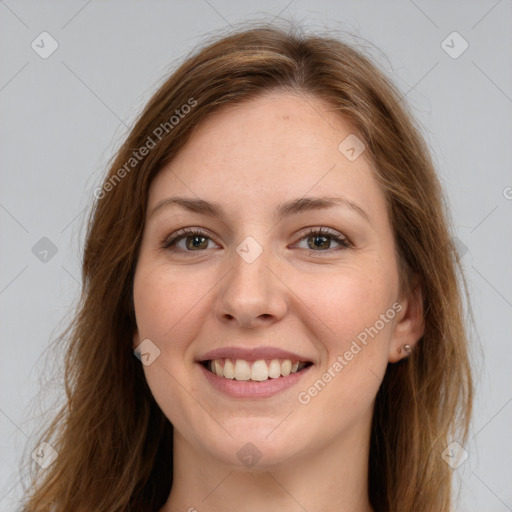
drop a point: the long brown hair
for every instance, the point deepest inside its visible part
(114, 443)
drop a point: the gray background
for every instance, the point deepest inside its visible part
(62, 118)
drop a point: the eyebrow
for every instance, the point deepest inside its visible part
(291, 207)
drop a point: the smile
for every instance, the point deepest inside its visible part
(259, 371)
(241, 379)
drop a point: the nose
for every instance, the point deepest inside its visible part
(252, 294)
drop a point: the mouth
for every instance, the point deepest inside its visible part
(256, 371)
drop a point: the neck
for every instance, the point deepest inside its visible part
(331, 478)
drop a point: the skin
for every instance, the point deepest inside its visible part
(249, 158)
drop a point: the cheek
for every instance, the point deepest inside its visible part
(165, 300)
(355, 347)
(167, 306)
(347, 310)
(347, 302)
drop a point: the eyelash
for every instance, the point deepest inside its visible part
(169, 244)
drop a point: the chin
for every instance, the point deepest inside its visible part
(257, 445)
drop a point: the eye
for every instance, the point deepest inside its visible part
(320, 239)
(195, 240)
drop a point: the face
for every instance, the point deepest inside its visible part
(268, 277)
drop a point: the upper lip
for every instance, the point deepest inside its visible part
(251, 354)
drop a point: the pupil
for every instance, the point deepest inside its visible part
(195, 242)
(317, 238)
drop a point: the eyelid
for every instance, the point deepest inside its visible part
(339, 237)
(185, 232)
(324, 230)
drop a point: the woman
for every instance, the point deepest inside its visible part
(271, 243)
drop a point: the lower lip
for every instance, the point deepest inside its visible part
(250, 388)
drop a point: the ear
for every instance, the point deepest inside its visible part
(409, 326)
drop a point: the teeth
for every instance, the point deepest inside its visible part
(286, 368)
(274, 370)
(242, 370)
(218, 368)
(229, 369)
(259, 371)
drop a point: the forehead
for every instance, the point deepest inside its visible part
(266, 150)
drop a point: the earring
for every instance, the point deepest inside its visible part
(406, 348)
